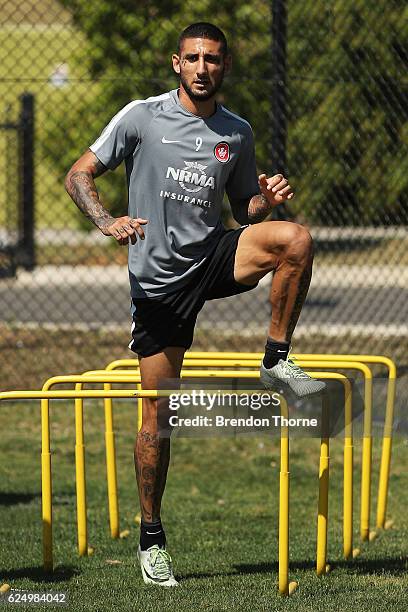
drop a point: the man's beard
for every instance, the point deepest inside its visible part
(205, 95)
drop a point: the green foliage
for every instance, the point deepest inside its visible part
(347, 98)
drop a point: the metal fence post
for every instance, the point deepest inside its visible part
(278, 101)
(26, 243)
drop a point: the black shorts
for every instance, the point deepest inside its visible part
(169, 320)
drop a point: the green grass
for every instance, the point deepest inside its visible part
(220, 513)
(31, 354)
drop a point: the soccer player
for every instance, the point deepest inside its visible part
(182, 150)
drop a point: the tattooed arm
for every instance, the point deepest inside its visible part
(80, 185)
(274, 191)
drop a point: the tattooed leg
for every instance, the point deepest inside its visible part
(152, 455)
(152, 447)
(287, 249)
(289, 288)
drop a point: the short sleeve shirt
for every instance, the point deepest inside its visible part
(178, 166)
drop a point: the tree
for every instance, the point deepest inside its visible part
(348, 110)
(347, 92)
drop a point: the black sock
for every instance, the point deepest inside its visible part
(274, 351)
(151, 534)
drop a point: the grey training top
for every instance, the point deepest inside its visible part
(178, 166)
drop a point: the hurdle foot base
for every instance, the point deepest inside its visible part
(372, 536)
(124, 534)
(388, 524)
(291, 589)
(90, 551)
(4, 588)
(322, 571)
(356, 552)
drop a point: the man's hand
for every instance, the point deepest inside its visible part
(275, 189)
(124, 228)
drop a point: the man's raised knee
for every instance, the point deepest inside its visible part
(297, 242)
(303, 237)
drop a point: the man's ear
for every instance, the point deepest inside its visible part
(176, 63)
(228, 63)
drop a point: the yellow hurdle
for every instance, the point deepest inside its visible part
(330, 363)
(247, 361)
(132, 377)
(80, 447)
(383, 484)
(323, 488)
(385, 465)
(46, 476)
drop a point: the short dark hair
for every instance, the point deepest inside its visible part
(203, 29)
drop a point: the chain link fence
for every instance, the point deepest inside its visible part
(340, 74)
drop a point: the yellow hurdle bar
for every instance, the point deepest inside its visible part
(44, 396)
(323, 503)
(383, 484)
(111, 472)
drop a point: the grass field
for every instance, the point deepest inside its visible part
(31, 354)
(220, 513)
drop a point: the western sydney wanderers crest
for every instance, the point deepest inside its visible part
(222, 152)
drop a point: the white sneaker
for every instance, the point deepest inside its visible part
(291, 375)
(156, 566)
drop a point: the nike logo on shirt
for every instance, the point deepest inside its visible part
(165, 141)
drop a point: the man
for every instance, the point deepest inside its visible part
(182, 150)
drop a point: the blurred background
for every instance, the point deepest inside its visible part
(324, 85)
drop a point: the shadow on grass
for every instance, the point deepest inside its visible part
(396, 567)
(36, 574)
(12, 499)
